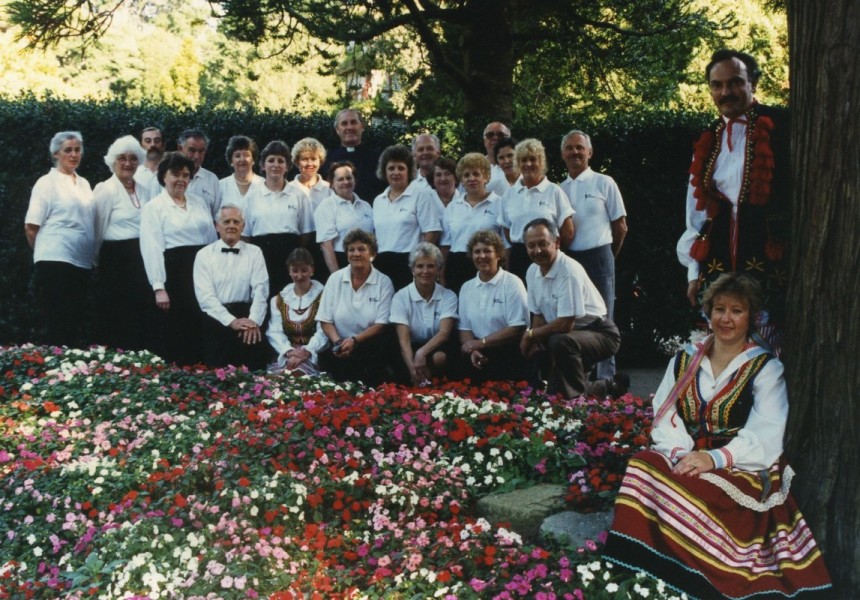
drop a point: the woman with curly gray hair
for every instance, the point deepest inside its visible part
(123, 295)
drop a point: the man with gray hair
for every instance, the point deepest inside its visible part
(193, 143)
(349, 124)
(569, 331)
(232, 287)
(600, 222)
(426, 150)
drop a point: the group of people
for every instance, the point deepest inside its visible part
(229, 271)
(482, 267)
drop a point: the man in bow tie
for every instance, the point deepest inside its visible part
(738, 213)
(232, 287)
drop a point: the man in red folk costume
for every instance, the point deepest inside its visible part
(738, 202)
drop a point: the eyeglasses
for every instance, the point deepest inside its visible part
(494, 134)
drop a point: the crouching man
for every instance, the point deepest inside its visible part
(232, 287)
(569, 330)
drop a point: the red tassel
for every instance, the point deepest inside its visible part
(775, 251)
(701, 249)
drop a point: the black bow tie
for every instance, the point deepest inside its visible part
(231, 250)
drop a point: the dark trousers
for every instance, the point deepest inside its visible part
(396, 266)
(374, 361)
(61, 293)
(504, 363)
(459, 268)
(276, 248)
(179, 327)
(569, 358)
(223, 346)
(520, 262)
(126, 308)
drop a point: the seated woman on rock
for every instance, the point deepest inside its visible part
(707, 508)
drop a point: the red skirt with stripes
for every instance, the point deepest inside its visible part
(722, 534)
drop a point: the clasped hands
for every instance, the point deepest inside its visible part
(246, 329)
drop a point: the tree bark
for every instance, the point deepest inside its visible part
(823, 342)
(488, 64)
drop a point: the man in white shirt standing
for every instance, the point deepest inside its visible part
(204, 183)
(426, 150)
(232, 287)
(600, 222)
(569, 330)
(494, 133)
(152, 142)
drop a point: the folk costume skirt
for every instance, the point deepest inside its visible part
(724, 534)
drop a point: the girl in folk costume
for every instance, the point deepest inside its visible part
(293, 329)
(707, 508)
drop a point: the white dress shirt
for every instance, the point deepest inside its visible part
(758, 444)
(275, 333)
(460, 220)
(596, 201)
(353, 311)
(565, 291)
(63, 208)
(268, 212)
(335, 217)
(424, 317)
(399, 223)
(225, 277)
(489, 306)
(117, 216)
(204, 183)
(728, 179)
(163, 225)
(521, 204)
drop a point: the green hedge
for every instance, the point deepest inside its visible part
(648, 155)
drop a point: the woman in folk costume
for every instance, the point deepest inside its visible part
(707, 508)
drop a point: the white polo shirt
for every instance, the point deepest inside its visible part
(399, 223)
(229, 190)
(335, 217)
(63, 208)
(521, 204)
(565, 291)
(423, 317)
(487, 307)
(460, 220)
(596, 201)
(353, 311)
(316, 193)
(268, 212)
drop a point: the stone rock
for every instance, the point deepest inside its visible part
(524, 510)
(574, 528)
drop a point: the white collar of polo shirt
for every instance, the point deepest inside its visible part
(415, 295)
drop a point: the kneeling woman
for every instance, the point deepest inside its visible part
(293, 330)
(424, 314)
(707, 508)
(493, 316)
(354, 314)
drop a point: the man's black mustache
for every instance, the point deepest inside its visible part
(728, 99)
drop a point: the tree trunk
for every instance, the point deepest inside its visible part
(823, 344)
(488, 65)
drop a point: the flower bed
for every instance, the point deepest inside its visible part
(125, 478)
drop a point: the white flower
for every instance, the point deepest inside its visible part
(611, 587)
